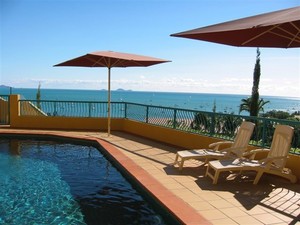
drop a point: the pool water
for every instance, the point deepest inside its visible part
(47, 182)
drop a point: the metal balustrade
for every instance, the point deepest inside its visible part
(206, 123)
(70, 108)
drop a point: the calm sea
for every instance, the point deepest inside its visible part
(225, 103)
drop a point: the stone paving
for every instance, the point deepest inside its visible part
(191, 195)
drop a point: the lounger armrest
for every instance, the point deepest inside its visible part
(252, 153)
(238, 152)
(216, 145)
(269, 161)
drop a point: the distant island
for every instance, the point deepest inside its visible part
(120, 89)
(4, 86)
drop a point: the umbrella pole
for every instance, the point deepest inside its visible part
(108, 106)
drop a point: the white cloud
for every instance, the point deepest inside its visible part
(228, 85)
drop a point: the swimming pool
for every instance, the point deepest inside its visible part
(53, 182)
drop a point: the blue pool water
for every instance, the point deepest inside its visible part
(46, 182)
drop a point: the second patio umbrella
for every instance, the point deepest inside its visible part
(279, 29)
(110, 59)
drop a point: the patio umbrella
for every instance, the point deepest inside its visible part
(110, 59)
(279, 29)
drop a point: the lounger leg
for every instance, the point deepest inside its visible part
(258, 176)
(176, 159)
(206, 160)
(206, 173)
(181, 164)
(216, 177)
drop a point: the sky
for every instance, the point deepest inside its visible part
(37, 34)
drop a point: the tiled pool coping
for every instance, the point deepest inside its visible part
(175, 205)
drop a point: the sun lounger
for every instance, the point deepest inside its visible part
(236, 149)
(274, 163)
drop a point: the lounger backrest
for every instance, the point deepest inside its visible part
(281, 144)
(243, 136)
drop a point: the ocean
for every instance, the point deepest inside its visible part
(225, 103)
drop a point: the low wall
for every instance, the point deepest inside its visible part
(65, 123)
(167, 135)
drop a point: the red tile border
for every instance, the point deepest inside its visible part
(180, 209)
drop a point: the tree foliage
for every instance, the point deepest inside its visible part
(278, 114)
(254, 104)
(254, 109)
(246, 105)
(38, 96)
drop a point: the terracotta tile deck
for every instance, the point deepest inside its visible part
(188, 193)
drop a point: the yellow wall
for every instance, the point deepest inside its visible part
(31, 109)
(293, 163)
(64, 123)
(165, 135)
(3, 111)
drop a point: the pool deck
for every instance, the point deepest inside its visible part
(188, 193)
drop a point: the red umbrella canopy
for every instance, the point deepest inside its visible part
(280, 29)
(111, 59)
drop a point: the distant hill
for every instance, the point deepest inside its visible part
(4, 86)
(120, 89)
